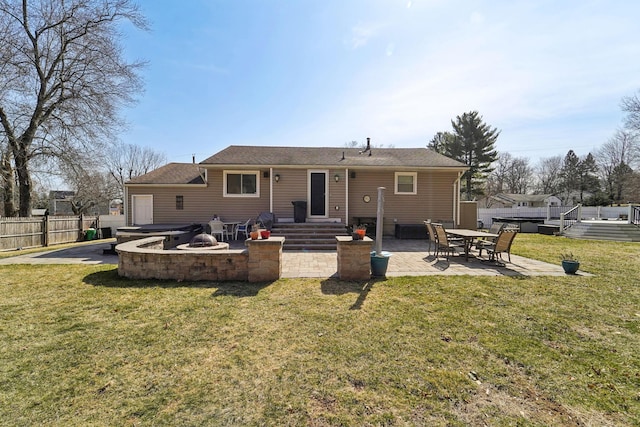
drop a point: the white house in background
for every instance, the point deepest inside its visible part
(507, 200)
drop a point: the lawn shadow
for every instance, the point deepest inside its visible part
(111, 279)
(339, 287)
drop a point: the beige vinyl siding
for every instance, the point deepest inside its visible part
(337, 192)
(201, 203)
(292, 186)
(434, 198)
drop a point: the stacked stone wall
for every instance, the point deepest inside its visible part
(146, 259)
(354, 258)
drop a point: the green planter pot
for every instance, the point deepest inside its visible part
(570, 267)
(379, 263)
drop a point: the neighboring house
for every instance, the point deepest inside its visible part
(506, 200)
(338, 184)
(60, 202)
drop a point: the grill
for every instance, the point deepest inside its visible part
(203, 240)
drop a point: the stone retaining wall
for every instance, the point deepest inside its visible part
(146, 259)
(354, 258)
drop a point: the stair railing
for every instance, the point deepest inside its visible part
(634, 217)
(570, 217)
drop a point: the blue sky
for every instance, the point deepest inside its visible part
(549, 74)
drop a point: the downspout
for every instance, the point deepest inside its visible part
(126, 206)
(346, 196)
(271, 190)
(456, 200)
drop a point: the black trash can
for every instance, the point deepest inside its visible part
(105, 232)
(299, 210)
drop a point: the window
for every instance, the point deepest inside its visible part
(241, 184)
(406, 183)
(179, 203)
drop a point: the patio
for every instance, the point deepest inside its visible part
(409, 258)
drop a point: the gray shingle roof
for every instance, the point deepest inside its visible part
(330, 156)
(172, 173)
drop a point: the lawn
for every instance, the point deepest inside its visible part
(80, 346)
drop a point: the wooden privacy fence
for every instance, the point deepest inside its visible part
(22, 233)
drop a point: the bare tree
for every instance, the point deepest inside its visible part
(63, 77)
(126, 161)
(84, 174)
(519, 176)
(495, 183)
(631, 105)
(510, 175)
(7, 179)
(363, 145)
(632, 188)
(549, 173)
(616, 159)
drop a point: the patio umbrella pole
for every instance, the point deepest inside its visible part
(379, 224)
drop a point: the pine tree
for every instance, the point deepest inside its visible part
(472, 143)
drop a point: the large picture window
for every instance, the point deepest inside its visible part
(241, 184)
(406, 183)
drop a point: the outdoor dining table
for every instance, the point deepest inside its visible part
(230, 226)
(468, 236)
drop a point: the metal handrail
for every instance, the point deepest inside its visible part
(570, 217)
(634, 218)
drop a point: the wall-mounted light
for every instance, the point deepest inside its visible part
(353, 175)
(336, 177)
(277, 177)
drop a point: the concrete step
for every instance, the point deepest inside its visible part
(309, 236)
(604, 231)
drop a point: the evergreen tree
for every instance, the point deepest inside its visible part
(472, 143)
(579, 175)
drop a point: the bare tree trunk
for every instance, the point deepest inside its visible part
(9, 186)
(24, 183)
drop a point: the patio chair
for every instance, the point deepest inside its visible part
(444, 243)
(501, 245)
(218, 228)
(244, 228)
(433, 238)
(495, 228)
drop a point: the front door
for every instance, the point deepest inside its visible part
(318, 194)
(142, 212)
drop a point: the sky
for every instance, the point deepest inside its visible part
(549, 75)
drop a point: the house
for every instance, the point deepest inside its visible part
(507, 200)
(335, 184)
(60, 202)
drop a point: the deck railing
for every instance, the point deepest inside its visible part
(570, 217)
(634, 218)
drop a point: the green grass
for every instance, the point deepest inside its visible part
(80, 346)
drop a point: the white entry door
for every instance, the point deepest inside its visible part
(142, 212)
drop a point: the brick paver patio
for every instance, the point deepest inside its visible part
(409, 258)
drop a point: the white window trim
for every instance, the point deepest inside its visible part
(240, 172)
(415, 183)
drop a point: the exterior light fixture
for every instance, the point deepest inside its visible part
(277, 177)
(336, 177)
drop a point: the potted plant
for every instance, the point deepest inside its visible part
(361, 230)
(255, 232)
(570, 263)
(265, 234)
